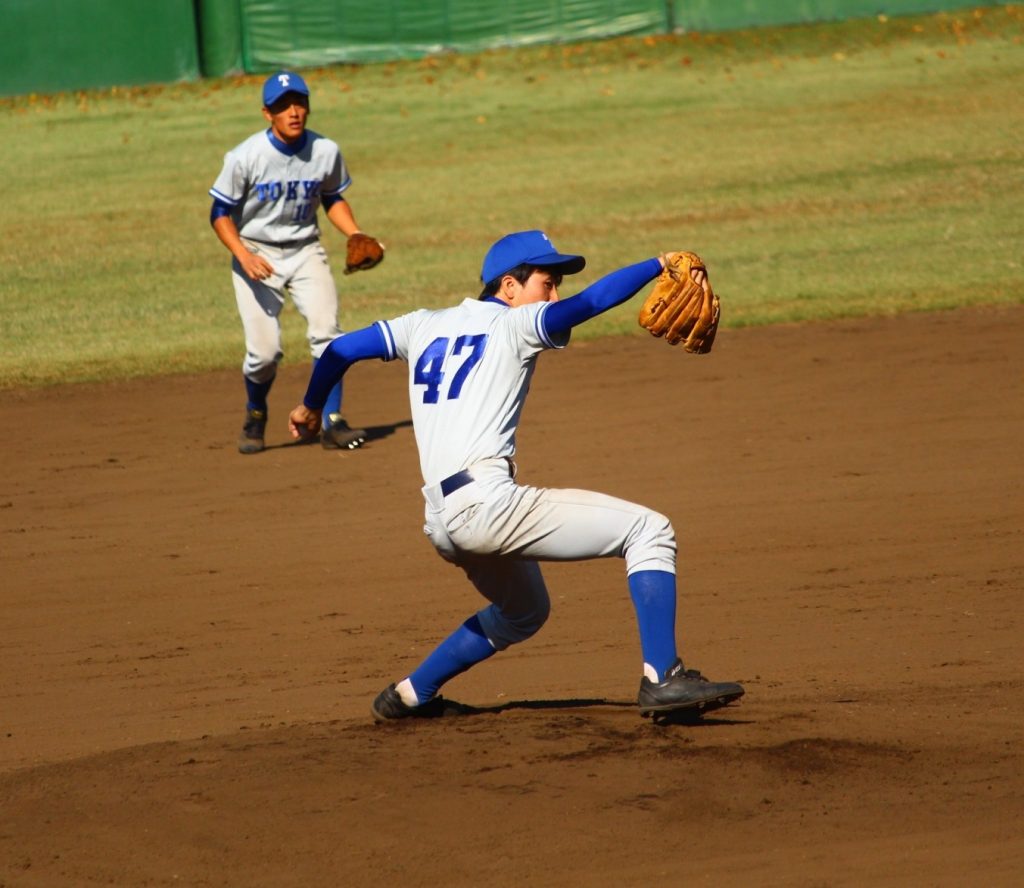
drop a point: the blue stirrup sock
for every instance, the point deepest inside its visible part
(257, 393)
(654, 598)
(333, 402)
(464, 648)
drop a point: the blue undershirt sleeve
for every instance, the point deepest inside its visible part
(329, 200)
(217, 209)
(611, 290)
(342, 353)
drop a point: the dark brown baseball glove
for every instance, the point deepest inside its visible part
(364, 252)
(679, 308)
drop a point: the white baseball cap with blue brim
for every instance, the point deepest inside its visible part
(527, 248)
(280, 83)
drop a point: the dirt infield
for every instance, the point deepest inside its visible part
(191, 638)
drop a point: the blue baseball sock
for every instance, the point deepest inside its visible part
(333, 402)
(257, 393)
(654, 597)
(464, 648)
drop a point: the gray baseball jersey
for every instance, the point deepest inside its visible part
(274, 188)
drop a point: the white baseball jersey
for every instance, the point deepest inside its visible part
(469, 373)
(274, 188)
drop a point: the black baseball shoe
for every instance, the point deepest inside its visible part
(389, 706)
(251, 438)
(685, 689)
(337, 435)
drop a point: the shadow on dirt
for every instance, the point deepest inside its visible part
(373, 433)
(441, 707)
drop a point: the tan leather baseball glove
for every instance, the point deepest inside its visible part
(679, 308)
(364, 252)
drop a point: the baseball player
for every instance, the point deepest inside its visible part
(265, 212)
(469, 373)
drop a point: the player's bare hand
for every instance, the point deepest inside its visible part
(698, 274)
(304, 423)
(256, 268)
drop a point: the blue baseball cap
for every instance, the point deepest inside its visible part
(522, 247)
(283, 82)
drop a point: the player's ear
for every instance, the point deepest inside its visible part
(507, 287)
(267, 116)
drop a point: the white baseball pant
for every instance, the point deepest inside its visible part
(497, 531)
(301, 272)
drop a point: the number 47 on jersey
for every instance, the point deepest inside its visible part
(435, 364)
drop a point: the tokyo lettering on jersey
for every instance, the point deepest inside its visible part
(274, 188)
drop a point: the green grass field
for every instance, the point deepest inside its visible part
(869, 167)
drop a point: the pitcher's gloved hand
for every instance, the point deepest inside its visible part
(681, 308)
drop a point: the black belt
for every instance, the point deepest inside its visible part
(460, 479)
(285, 245)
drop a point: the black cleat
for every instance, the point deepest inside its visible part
(251, 438)
(337, 435)
(389, 706)
(685, 689)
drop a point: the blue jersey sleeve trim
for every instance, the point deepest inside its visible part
(342, 353)
(538, 325)
(551, 340)
(611, 290)
(223, 198)
(341, 187)
(389, 340)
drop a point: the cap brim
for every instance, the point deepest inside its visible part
(566, 264)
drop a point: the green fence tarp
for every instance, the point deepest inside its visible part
(55, 45)
(723, 15)
(317, 32)
(220, 37)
